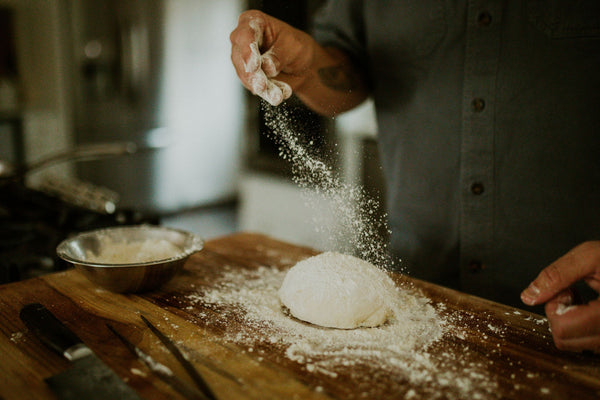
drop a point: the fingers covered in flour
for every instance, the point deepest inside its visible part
(253, 63)
(286, 90)
(270, 64)
(254, 55)
(271, 90)
(574, 327)
(263, 67)
(246, 40)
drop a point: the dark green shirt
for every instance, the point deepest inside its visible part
(489, 131)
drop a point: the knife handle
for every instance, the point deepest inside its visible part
(51, 331)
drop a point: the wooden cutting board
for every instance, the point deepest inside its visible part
(489, 350)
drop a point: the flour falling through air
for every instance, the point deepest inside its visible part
(358, 229)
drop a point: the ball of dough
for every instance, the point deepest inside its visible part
(338, 291)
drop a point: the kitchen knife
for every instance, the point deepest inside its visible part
(88, 378)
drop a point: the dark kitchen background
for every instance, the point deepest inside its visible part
(147, 87)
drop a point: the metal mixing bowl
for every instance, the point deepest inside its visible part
(85, 252)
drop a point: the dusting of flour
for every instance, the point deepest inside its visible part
(399, 348)
(413, 326)
(359, 229)
(118, 252)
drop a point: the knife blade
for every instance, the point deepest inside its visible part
(88, 377)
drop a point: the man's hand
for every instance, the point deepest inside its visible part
(574, 327)
(264, 48)
(272, 59)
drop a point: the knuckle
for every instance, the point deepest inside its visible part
(238, 36)
(559, 335)
(233, 36)
(251, 15)
(243, 27)
(552, 275)
(591, 249)
(559, 332)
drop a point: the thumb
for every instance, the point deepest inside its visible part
(581, 262)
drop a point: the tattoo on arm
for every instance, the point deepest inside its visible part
(339, 77)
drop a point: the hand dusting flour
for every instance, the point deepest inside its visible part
(262, 70)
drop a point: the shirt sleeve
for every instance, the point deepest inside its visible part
(340, 24)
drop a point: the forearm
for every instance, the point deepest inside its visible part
(332, 84)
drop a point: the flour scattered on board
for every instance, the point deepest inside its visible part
(400, 348)
(16, 337)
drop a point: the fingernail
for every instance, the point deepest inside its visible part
(530, 295)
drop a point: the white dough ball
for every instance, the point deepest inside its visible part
(338, 291)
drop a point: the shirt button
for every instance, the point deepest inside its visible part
(484, 19)
(476, 266)
(477, 188)
(478, 104)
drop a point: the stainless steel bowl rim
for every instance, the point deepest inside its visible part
(196, 245)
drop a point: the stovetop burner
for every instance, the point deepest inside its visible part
(33, 223)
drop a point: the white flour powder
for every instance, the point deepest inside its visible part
(399, 349)
(358, 229)
(117, 252)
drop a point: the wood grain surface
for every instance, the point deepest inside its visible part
(512, 349)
